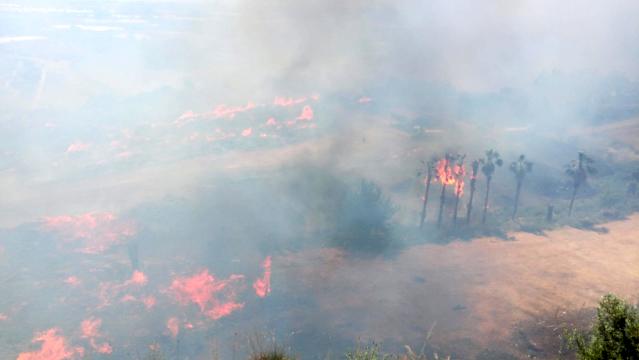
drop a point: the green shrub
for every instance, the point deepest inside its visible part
(363, 220)
(371, 352)
(275, 354)
(614, 335)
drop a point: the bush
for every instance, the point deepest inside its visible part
(367, 353)
(614, 335)
(363, 220)
(275, 354)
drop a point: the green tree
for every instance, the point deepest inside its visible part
(520, 168)
(488, 166)
(614, 335)
(578, 171)
(363, 219)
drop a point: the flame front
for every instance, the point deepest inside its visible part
(262, 286)
(54, 347)
(458, 174)
(203, 290)
(444, 172)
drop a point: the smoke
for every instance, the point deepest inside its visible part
(322, 46)
(218, 142)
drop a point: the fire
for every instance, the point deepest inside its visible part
(96, 231)
(262, 286)
(72, 280)
(282, 101)
(203, 290)
(3, 317)
(229, 112)
(109, 291)
(271, 122)
(307, 114)
(54, 347)
(364, 100)
(77, 147)
(186, 118)
(173, 325)
(444, 172)
(459, 172)
(149, 302)
(91, 331)
(138, 278)
(91, 328)
(247, 132)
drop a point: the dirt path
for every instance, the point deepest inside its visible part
(477, 290)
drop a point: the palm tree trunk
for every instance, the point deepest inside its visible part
(517, 198)
(572, 199)
(470, 202)
(455, 212)
(421, 222)
(483, 217)
(442, 200)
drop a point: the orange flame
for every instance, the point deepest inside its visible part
(72, 280)
(54, 347)
(77, 147)
(96, 231)
(91, 331)
(271, 122)
(203, 289)
(229, 112)
(247, 132)
(262, 286)
(307, 113)
(458, 173)
(282, 101)
(444, 172)
(173, 325)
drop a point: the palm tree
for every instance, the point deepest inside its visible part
(488, 164)
(578, 170)
(430, 172)
(444, 175)
(473, 182)
(520, 168)
(458, 174)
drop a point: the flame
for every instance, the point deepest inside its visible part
(137, 278)
(91, 331)
(54, 347)
(109, 291)
(96, 231)
(307, 113)
(91, 328)
(223, 111)
(444, 172)
(262, 286)
(149, 301)
(203, 289)
(173, 325)
(459, 172)
(247, 132)
(72, 280)
(77, 147)
(364, 100)
(3, 317)
(271, 122)
(186, 118)
(282, 101)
